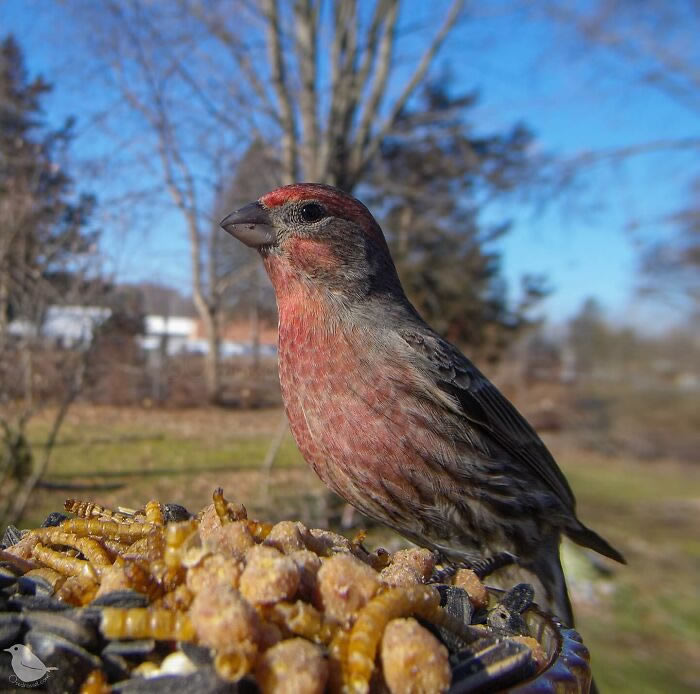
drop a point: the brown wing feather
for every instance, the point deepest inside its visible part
(489, 411)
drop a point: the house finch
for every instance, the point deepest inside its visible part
(392, 417)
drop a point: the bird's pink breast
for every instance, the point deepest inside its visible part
(353, 411)
(363, 418)
(345, 414)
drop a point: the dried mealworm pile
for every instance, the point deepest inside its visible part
(145, 600)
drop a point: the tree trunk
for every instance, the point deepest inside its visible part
(4, 303)
(255, 326)
(28, 373)
(212, 362)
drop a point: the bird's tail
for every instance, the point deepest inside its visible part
(584, 536)
(547, 566)
(543, 571)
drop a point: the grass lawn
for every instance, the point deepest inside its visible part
(641, 623)
(642, 626)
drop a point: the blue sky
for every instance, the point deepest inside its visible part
(524, 73)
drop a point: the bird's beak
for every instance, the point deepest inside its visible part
(7, 650)
(251, 225)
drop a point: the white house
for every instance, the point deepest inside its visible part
(178, 332)
(70, 326)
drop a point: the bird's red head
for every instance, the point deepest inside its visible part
(316, 234)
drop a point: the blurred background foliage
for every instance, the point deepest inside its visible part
(123, 386)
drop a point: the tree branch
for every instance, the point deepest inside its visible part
(375, 142)
(334, 141)
(241, 55)
(279, 83)
(306, 30)
(674, 74)
(22, 498)
(589, 158)
(381, 75)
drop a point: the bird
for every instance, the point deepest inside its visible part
(26, 665)
(391, 416)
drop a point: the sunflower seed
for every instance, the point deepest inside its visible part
(64, 625)
(121, 598)
(7, 577)
(506, 622)
(505, 617)
(11, 625)
(34, 585)
(493, 668)
(456, 603)
(130, 649)
(73, 663)
(115, 666)
(173, 513)
(519, 597)
(204, 681)
(36, 602)
(54, 519)
(199, 655)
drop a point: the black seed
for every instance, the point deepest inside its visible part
(73, 663)
(36, 602)
(115, 666)
(173, 513)
(54, 519)
(92, 616)
(506, 622)
(519, 597)
(7, 577)
(11, 626)
(121, 598)
(456, 603)
(6, 673)
(63, 624)
(34, 585)
(204, 681)
(130, 649)
(493, 668)
(199, 655)
(505, 617)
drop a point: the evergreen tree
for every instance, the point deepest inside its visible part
(42, 221)
(433, 181)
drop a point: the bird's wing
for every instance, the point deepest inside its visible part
(487, 410)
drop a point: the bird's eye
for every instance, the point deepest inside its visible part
(312, 212)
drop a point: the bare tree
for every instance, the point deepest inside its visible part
(653, 40)
(47, 259)
(647, 45)
(671, 267)
(207, 79)
(330, 128)
(145, 50)
(432, 184)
